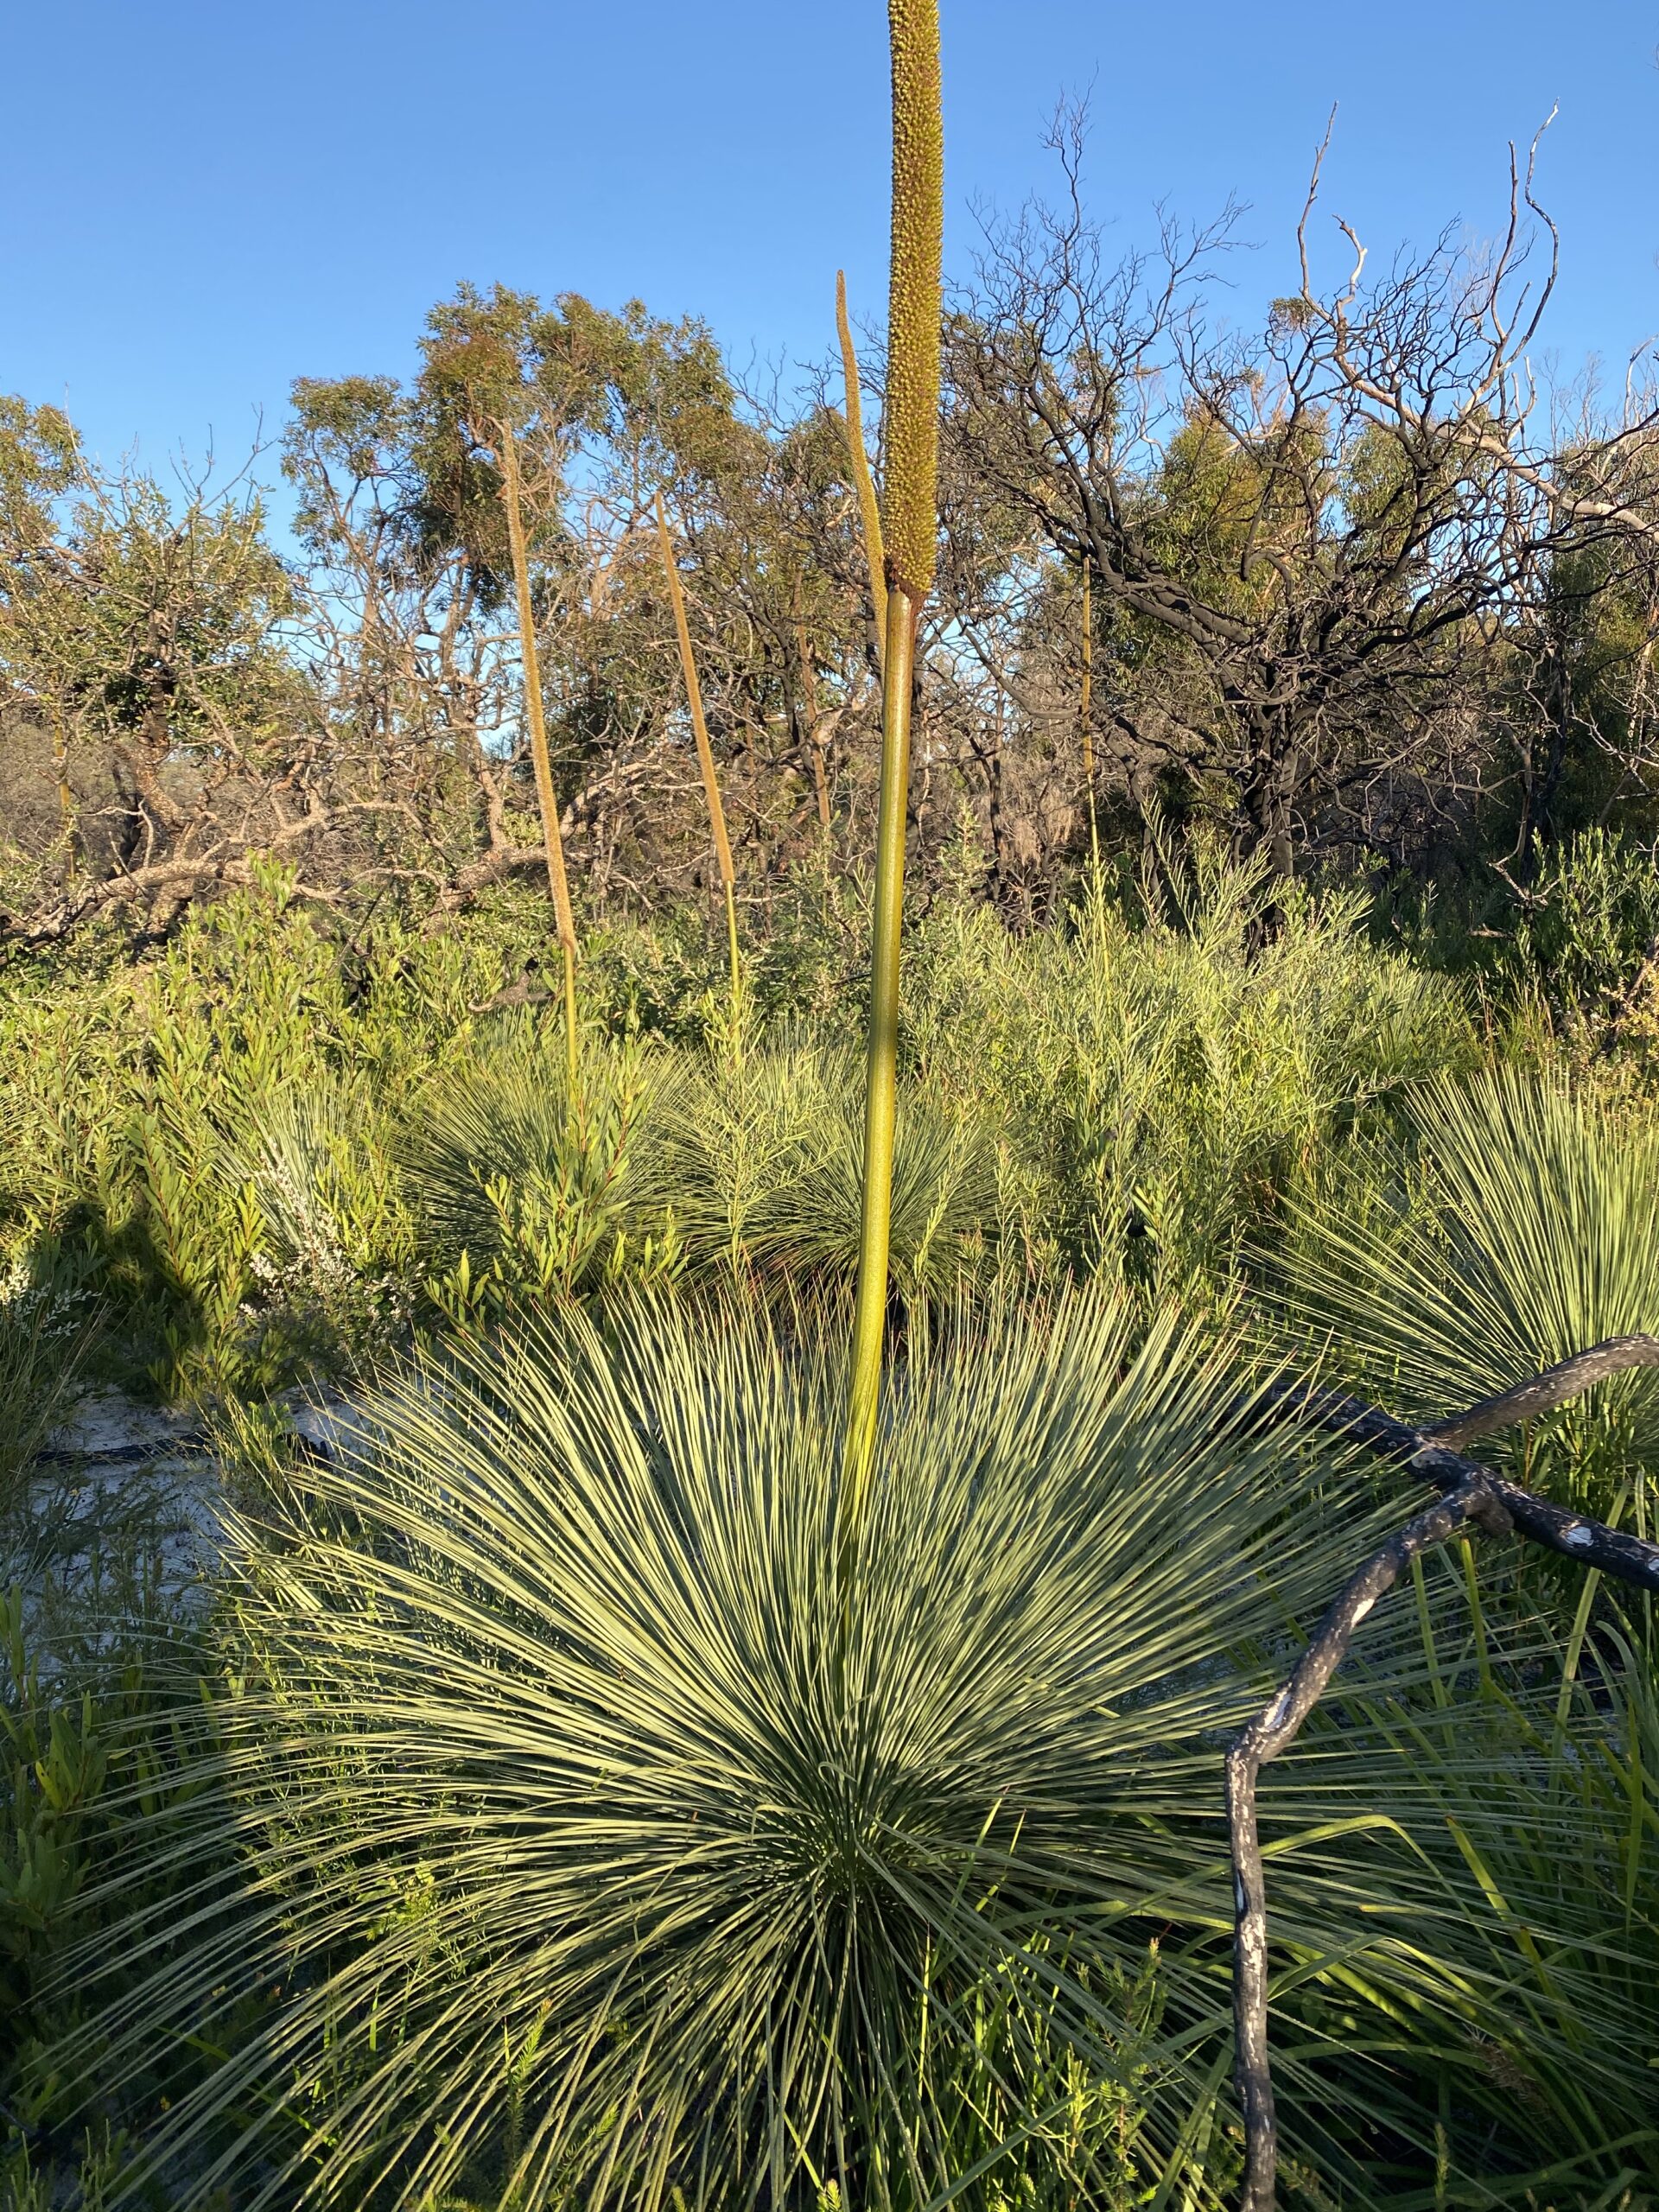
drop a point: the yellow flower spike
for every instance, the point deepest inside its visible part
(914, 299)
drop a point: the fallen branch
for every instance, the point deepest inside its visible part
(1471, 1493)
(1543, 1393)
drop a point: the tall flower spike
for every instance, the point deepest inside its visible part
(913, 454)
(547, 798)
(913, 298)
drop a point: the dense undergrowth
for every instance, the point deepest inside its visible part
(511, 1833)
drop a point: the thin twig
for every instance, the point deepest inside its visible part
(1264, 1739)
(1470, 1493)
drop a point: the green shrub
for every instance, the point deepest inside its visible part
(522, 1193)
(1167, 1070)
(1588, 938)
(759, 1159)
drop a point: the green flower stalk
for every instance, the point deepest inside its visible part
(1086, 721)
(705, 758)
(864, 483)
(915, 301)
(547, 798)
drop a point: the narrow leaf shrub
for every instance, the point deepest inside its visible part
(761, 1161)
(1166, 1071)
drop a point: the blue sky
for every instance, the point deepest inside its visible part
(205, 200)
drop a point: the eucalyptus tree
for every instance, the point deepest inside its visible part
(151, 635)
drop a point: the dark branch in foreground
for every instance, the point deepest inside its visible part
(1470, 1493)
(1547, 1391)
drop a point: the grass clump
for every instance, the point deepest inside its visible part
(1519, 1225)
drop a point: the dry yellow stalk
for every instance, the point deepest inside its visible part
(705, 751)
(547, 798)
(1085, 714)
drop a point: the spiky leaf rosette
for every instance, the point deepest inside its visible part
(555, 1794)
(500, 1168)
(912, 429)
(1525, 1229)
(761, 1164)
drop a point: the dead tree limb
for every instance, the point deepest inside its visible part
(1543, 1393)
(1470, 1493)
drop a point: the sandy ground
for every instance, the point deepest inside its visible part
(125, 1513)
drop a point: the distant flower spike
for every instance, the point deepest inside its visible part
(705, 752)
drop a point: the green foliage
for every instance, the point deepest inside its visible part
(530, 1703)
(1516, 1806)
(89, 1744)
(1589, 936)
(761, 1158)
(1523, 1227)
(138, 619)
(1570, 953)
(47, 1330)
(1168, 1071)
(269, 1147)
(524, 1191)
(39, 461)
(208, 1138)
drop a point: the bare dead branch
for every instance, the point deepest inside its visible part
(1543, 1393)
(1272, 1732)
(1471, 1493)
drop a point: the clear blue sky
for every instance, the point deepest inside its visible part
(206, 198)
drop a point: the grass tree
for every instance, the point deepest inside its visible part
(910, 534)
(554, 1849)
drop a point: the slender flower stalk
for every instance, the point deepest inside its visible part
(547, 798)
(705, 758)
(864, 483)
(1085, 718)
(809, 720)
(912, 519)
